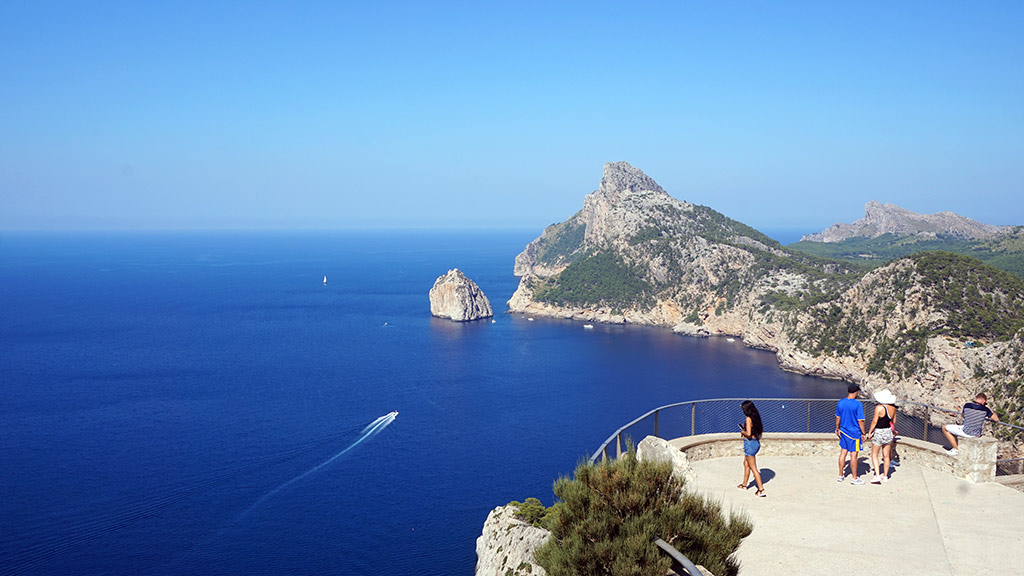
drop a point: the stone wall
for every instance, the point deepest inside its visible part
(976, 461)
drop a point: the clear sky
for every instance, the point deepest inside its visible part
(479, 114)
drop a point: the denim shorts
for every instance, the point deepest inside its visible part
(750, 447)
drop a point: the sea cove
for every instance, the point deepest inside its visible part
(169, 398)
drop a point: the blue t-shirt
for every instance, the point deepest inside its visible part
(849, 412)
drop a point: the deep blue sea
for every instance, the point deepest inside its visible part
(197, 403)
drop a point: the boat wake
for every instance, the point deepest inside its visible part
(85, 528)
(371, 430)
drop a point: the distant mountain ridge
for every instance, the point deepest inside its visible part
(634, 254)
(880, 219)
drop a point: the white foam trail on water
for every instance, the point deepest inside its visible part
(378, 421)
(370, 431)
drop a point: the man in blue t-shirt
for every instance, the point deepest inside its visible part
(974, 414)
(850, 430)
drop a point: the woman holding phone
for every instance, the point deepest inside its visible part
(751, 431)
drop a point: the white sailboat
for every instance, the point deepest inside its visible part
(325, 280)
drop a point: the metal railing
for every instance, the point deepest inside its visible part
(915, 420)
(1009, 466)
(681, 565)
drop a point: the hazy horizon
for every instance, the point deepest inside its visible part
(323, 115)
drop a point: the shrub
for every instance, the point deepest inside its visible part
(610, 514)
(531, 511)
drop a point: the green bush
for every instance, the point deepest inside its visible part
(609, 515)
(531, 511)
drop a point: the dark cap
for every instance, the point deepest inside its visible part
(852, 388)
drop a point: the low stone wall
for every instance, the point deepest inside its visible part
(975, 462)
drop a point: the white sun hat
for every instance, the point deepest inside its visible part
(884, 396)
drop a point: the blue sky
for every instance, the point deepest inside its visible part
(146, 115)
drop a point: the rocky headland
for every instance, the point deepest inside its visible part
(933, 327)
(880, 219)
(456, 297)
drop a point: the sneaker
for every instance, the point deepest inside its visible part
(876, 480)
(857, 481)
(841, 478)
(952, 451)
(885, 479)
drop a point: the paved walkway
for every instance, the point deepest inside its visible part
(922, 522)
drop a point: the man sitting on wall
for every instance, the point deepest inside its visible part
(974, 414)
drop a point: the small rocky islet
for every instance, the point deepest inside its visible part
(457, 298)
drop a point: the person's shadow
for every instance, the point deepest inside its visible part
(766, 475)
(864, 466)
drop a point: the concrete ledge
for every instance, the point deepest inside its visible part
(976, 461)
(1015, 481)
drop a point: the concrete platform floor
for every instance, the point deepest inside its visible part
(922, 522)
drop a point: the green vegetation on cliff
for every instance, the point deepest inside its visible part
(1005, 252)
(718, 227)
(655, 263)
(561, 241)
(966, 299)
(979, 301)
(599, 279)
(609, 515)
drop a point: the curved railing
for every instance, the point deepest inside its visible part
(681, 565)
(916, 420)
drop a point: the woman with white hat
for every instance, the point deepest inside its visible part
(882, 434)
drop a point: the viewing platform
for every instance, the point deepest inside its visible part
(937, 514)
(922, 521)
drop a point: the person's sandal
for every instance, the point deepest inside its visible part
(760, 493)
(742, 486)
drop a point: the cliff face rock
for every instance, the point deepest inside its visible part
(634, 254)
(882, 219)
(505, 548)
(654, 449)
(458, 298)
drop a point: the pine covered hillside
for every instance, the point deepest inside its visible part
(888, 232)
(917, 325)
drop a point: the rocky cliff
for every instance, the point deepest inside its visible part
(634, 254)
(458, 298)
(882, 219)
(507, 544)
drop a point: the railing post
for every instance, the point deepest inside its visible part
(618, 445)
(656, 424)
(927, 422)
(604, 453)
(808, 416)
(693, 419)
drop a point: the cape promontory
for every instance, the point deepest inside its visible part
(456, 297)
(880, 219)
(934, 327)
